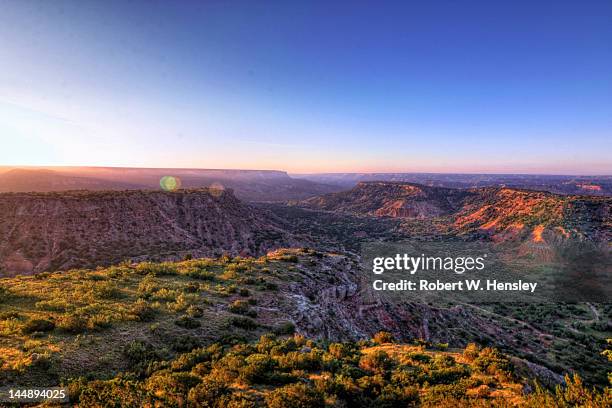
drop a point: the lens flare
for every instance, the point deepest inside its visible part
(170, 183)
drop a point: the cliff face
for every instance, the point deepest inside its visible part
(540, 217)
(49, 231)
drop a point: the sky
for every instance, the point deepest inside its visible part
(436, 86)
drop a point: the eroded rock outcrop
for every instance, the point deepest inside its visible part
(51, 231)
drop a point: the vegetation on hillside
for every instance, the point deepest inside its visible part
(295, 372)
(185, 333)
(77, 322)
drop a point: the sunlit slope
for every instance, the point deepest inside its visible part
(71, 323)
(497, 213)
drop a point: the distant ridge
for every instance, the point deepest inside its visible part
(249, 185)
(561, 184)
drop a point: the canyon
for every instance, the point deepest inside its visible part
(302, 259)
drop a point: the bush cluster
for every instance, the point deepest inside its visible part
(298, 373)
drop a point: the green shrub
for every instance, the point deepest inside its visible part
(53, 305)
(185, 343)
(339, 350)
(239, 307)
(443, 361)
(148, 286)
(471, 352)
(421, 342)
(165, 295)
(574, 394)
(420, 357)
(243, 323)
(195, 311)
(200, 274)
(242, 307)
(210, 393)
(105, 290)
(443, 391)
(113, 393)
(182, 302)
(143, 310)
(231, 339)
(138, 352)
(5, 294)
(447, 375)
(99, 321)
(297, 360)
(72, 323)
(257, 370)
(187, 322)
(191, 287)
(156, 269)
(171, 388)
(383, 337)
(9, 315)
(491, 361)
(391, 396)
(37, 325)
(284, 328)
(295, 396)
(187, 361)
(377, 361)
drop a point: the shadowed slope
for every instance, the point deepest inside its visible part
(48, 231)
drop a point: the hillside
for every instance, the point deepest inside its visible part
(392, 199)
(50, 231)
(297, 372)
(495, 212)
(60, 325)
(506, 213)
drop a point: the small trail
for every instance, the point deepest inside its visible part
(511, 319)
(426, 328)
(595, 312)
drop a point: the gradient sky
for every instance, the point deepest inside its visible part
(437, 86)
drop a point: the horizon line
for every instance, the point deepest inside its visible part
(289, 173)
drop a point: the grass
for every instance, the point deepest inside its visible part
(83, 318)
(81, 326)
(296, 372)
